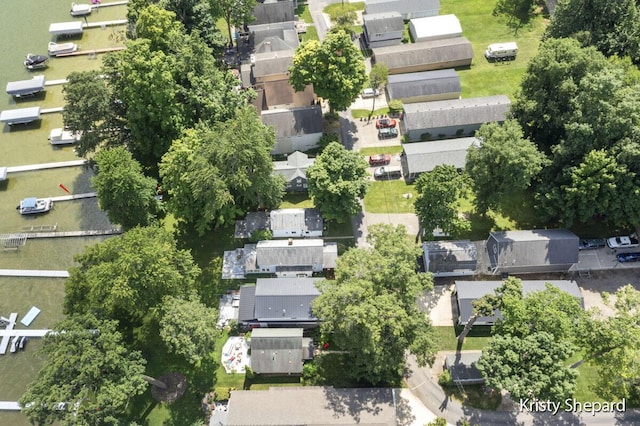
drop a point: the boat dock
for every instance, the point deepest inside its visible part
(9, 406)
(39, 273)
(66, 234)
(104, 24)
(51, 110)
(56, 82)
(90, 52)
(5, 339)
(75, 196)
(113, 3)
(22, 332)
(44, 166)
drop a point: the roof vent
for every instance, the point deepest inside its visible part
(290, 241)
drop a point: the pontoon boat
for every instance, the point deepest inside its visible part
(59, 136)
(33, 205)
(80, 9)
(60, 48)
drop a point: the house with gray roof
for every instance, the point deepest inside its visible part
(452, 118)
(253, 221)
(450, 258)
(274, 37)
(409, 9)
(420, 157)
(284, 258)
(532, 251)
(297, 129)
(383, 29)
(294, 170)
(313, 405)
(424, 86)
(434, 28)
(271, 11)
(426, 56)
(279, 351)
(468, 291)
(462, 368)
(278, 302)
(296, 223)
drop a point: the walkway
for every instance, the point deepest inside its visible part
(43, 166)
(5, 339)
(42, 273)
(66, 234)
(56, 82)
(22, 332)
(75, 196)
(51, 110)
(90, 52)
(103, 24)
(9, 406)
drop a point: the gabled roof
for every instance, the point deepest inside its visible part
(433, 26)
(295, 166)
(380, 23)
(246, 309)
(284, 32)
(290, 252)
(423, 83)
(295, 121)
(534, 247)
(272, 63)
(276, 350)
(425, 156)
(311, 405)
(424, 53)
(456, 112)
(472, 290)
(285, 299)
(402, 6)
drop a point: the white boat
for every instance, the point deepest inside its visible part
(59, 136)
(14, 344)
(33, 205)
(34, 62)
(60, 48)
(80, 9)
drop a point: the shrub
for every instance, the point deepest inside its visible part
(260, 235)
(310, 374)
(395, 105)
(326, 139)
(425, 137)
(347, 18)
(249, 373)
(444, 379)
(221, 393)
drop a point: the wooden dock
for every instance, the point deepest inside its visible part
(104, 24)
(67, 234)
(91, 52)
(51, 110)
(75, 196)
(56, 82)
(44, 166)
(39, 273)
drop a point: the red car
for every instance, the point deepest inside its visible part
(379, 159)
(385, 122)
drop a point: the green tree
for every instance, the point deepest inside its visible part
(503, 165)
(483, 307)
(235, 13)
(529, 367)
(369, 310)
(187, 327)
(89, 375)
(518, 12)
(337, 181)
(127, 277)
(124, 192)
(377, 80)
(437, 203)
(334, 67)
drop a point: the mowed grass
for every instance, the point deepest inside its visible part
(389, 197)
(296, 201)
(391, 150)
(447, 338)
(339, 9)
(481, 28)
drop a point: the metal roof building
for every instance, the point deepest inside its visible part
(420, 157)
(409, 9)
(279, 351)
(383, 29)
(435, 28)
(296, 223)
(450, 258)
(424, 86)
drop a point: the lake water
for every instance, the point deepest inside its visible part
(24, 26)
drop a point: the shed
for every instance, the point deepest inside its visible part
(20, 115)
(468, 291)
(294, 170)
(66, 28)
(532, 251)
(450, 258)
(426, 56)
(279, 351)
(424, 86)
(420, 157)
(383, 29)
(434, 28)
(452, 118)
(286, 223)
(26, 87)
(297, 129)
(462, 368)
(409, 9)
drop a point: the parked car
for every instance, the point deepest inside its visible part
(385, 122)
(592, 243)
(370, 93)
(379, 159)
(387, 133)
(622, 242)
(388, 172)
(628, 257)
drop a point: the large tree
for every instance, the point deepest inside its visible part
(369, 310)
(337, 181)
(437, 204)
(518, 12)
(127, 277)
(502, 165)
(378, 78)
(334, 67)
(235, 12)
(124, 192)
(89, 375)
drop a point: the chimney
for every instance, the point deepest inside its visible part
(290, 241)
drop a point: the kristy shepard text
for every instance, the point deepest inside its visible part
(570, 405)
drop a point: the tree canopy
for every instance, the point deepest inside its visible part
(89, 376)
(334, 67)
(337, 181)
(370, 309)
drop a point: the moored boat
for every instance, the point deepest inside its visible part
(34, 62)
(59, 136)
(80, 9)
(60, 48)
(33, 205)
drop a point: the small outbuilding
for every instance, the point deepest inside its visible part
(297, 129)
(420, 157)
(452, 118)
(424, 86)
(435, 28)
(532, 251)
(296, 223)
(383, 29)
(279, 351)
(294, 170)
(450, 258)
(409, 9)
(426, 56)
(462, 368)
(468, 291)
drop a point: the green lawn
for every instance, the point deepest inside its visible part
(296, 201)
(447, 340)
(303, 12)
(388, 197)
(364, 113)
(338, 9)
(311, 34)
(482, 28)
(392, 150)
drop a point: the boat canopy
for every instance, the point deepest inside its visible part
(3, 173)
(20, 116)
(65, 28)
(29, 203)
(26, 87)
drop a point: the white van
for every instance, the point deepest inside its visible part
(502, 51)
(388, 172)
(370, 93)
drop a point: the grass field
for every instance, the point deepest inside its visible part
(296, 201)
(364, 113)
(447, 338)
(388, 197)
(338, 9)
(391, 150)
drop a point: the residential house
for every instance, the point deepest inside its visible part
(532, 251)
(271, 11)
(452, 118)
(434, 28)
(279, 351)
(313, 405)
(462, 368)
(294, 170)
(450, 258)
(297, 129)
(409, 9)
(468, 291)
(287, 223)
(426, 56)
(383, 29)
(278, 302)
(274, 37)
(424, 86)
(420, 157)
(284, 258)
